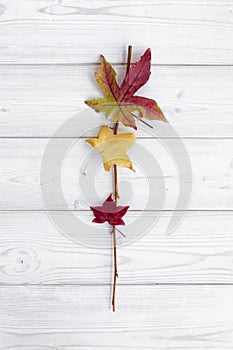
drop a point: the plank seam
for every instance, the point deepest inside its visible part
(198, 284)
(94, 64)
(138, 138)
(129, 211)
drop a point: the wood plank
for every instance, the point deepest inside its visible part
(84, 182)
(69, 32)
(33, 250)
(45, 97)
(147, 317)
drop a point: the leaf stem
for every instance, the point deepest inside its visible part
(116, 196)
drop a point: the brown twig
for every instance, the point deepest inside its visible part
(116, 196)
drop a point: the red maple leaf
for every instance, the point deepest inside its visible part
(109, 212)
(119, 102)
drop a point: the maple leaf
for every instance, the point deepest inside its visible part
(119, 102)
(109, 212)
(113, 147)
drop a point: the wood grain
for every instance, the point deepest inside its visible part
(71, 32)
(175, 291)
(34, 251)
(148, 317)
(45, 97)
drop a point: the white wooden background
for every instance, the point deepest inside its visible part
(174, 292)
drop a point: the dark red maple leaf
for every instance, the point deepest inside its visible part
(109, 212)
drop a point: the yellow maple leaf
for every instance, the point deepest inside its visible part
(113, 147)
